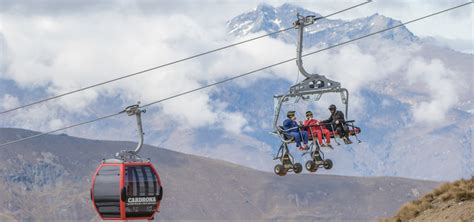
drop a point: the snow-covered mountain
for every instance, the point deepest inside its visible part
(399, 84)
(325, 32)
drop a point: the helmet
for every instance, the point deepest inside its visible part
(332, 106)
(309, 113)
(290, 114)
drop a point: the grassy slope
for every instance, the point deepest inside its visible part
(449, 202)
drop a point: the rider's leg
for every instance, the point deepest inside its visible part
(343, 134)
(339, 131)
(347, 133)
(297, 138)
(304, 134)
(320, 136)
(346, 130)
(327, 134)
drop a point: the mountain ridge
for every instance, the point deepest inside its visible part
(322, 33)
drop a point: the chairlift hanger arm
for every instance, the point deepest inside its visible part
(134, 110)
(300, 24)
(314, 84)
(312, 81)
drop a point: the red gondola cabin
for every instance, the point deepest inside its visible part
(126, 190)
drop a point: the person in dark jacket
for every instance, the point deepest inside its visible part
(337, 121)
(291, 128)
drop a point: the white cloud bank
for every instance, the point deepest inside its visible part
(59, 53)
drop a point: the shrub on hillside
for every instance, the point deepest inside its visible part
(461, 190)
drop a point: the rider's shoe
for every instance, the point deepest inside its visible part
(323, 145)
(329, 145)
(346, 140)
(304, 148)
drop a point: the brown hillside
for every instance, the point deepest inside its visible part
(48, 179)
(449, 202)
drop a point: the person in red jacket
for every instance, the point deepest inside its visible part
(317, 129)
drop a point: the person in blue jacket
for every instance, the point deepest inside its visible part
(291, 128)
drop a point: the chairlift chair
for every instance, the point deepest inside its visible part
(312, 88)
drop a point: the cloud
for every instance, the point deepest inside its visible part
(40, 117)
(235, 122)
(56, 54)
(51, 6)
(238, 148)
(9, 102)
(461, 45)
(386, 67)
(438, 80)
(358, 69)
(192, 111)
(387, 62)
(213, 13)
